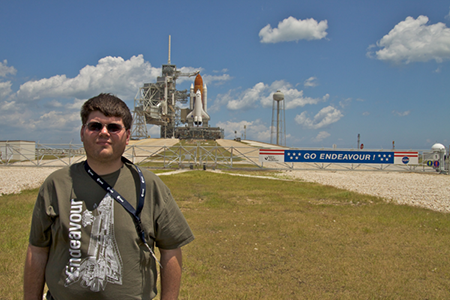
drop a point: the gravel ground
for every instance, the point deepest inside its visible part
(13, 179)
(424, 190)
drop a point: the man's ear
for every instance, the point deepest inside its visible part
(82, 133)
(128, 136)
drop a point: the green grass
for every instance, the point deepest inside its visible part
(267, 239)
(274, 239)
(15, 216)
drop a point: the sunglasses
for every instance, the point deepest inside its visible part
(97, 127)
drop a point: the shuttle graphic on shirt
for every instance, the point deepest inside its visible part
(103, 264)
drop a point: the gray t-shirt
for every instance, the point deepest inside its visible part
(95, 251)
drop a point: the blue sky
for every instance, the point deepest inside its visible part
(375, 68)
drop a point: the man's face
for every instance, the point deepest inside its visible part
(103, 146)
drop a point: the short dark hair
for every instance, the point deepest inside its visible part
(110, 106)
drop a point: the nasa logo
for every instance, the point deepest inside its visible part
(405, 160)
(270, 158)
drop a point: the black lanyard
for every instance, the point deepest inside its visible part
(135, 213)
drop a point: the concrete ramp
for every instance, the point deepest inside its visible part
(154, 142)
(138, 150)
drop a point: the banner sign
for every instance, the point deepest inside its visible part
(327, 156)
(406, 158)
(353, 157)
(271, 155)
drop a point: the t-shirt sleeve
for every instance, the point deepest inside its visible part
(42, 219)
(172, 229)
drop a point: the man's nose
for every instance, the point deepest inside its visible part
(104, 130)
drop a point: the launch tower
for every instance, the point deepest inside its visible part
(157, 104)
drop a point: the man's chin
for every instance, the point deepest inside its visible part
(106, 156)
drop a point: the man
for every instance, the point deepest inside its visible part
(85, 242)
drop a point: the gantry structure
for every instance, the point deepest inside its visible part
(157, 103)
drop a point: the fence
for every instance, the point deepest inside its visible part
(193, 157)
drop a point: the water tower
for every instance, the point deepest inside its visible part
(280, 126)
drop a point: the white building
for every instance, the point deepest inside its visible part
(17, 150)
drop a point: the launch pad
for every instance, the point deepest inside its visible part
(158, 104)
(199, 133)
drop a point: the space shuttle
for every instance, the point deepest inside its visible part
(198, 95)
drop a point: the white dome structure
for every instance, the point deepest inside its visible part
(438, 147)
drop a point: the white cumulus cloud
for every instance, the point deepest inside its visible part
(296, 99)
(5, 86)
(413, 40)
(321, 136)
(5, 70)
(291, 29)
(248, 98)
(293, 98)
(262, 94)
(311, 82)
(219, 79)
(111, 74)
(326, 116)
(7, 105)
(5, 89)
